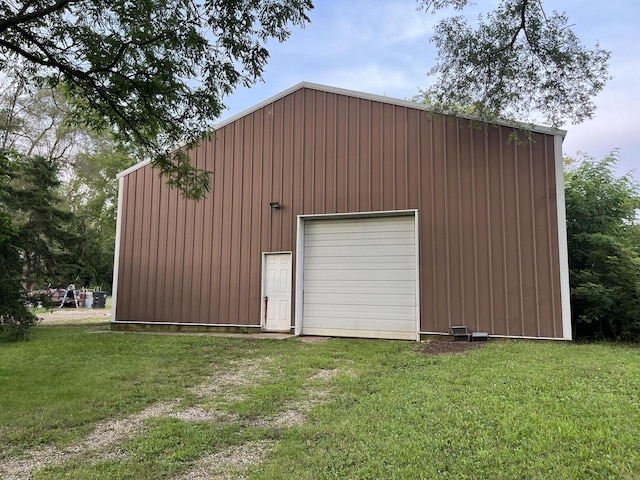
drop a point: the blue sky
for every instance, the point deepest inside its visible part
(382, 47)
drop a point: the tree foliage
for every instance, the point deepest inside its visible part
(157, 71)
(91, 191)
(604, 249)
(518, 61)
(15, 318)
(39, 218)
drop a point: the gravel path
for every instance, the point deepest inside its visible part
(65, 316)
(229, 463)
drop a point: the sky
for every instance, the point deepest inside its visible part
(383, 47)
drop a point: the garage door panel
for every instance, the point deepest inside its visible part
(369, 225)
(321, 241)
(349, 323)
(399, 287)
(360, 277)
(360, 235)
(360, 299)
(350, 275)
(394, 312)
(338, 251)
(400, 262)
(345, 332)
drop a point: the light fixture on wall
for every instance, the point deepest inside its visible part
(274, 204)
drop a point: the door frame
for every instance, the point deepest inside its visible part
(264, 281)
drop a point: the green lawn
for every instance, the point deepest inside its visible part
(372, 409)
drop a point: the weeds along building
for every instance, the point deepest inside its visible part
(334, 212)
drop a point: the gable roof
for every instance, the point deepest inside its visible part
(355, 94)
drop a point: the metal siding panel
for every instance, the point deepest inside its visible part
(152, 243)
(440, 232)
(234, 155)
(189, 228)
(496, 229)
(170, 276)
(330, 140)
(319, 155)
(482, 233)
(340, 153)
(204, 302)
(511, 237)
(255, 220)
(365, 181)
(226, 137)
(388, 180)
(400, 155)
(377, 157)
(245, 253)
(427, 234)
(528, 246)
(288, 167)
(160, 260)
(196, 293)
(456, 294)
(277, 175)
(352, 159)
(541, 190)
(219, 213)
(308, 158)
(180, 268)
(467, 225)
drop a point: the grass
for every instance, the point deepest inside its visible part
(508, 410)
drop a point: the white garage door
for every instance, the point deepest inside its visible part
(360, 277)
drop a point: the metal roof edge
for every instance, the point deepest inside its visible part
(421, 106)
(364, 96)
(133, 168)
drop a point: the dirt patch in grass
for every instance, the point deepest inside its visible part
(448, 347)
(104, 435)
(230, 463)
(74, 316)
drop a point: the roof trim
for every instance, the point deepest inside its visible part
(363, 96)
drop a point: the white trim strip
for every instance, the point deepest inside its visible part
(133, 168)
(299, 276)
(379, 213)
(116, 253)
(563, 250)
(417, 256)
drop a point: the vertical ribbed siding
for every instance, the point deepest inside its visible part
(487, 207)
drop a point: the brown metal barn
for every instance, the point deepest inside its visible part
(340, 213)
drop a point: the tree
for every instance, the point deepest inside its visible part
(603, 231)
(39, 218)
(92, 193)
(155, 71)
(15, 318)
(517, 62)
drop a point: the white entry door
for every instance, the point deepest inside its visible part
(276, 292)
